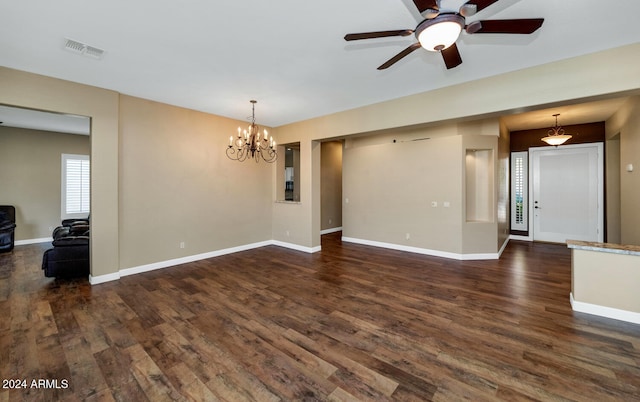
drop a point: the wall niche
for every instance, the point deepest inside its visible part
(479, 185)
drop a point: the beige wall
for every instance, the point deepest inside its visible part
(606, 279)
(177, 185)
(612, 191)
(480, 229)
(30, 176)
(23, 89)
(626, 123)
(331, 184)
(389, 187)
(503, 206)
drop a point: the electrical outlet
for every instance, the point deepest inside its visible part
(330, 221)
(434, 204)
(287, 232)
(408, 236)
(182, 244)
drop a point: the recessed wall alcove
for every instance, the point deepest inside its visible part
(479, 179)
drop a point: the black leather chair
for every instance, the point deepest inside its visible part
(69, 256)
(7, 228)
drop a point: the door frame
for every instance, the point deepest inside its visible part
(600, 173)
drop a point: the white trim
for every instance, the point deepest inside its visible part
(425, 251)
(504, 245)
(604, 311)
(63, 185)
(332, 230)
(479, 256)
(96, 280)
(518, 237)
(183, 260)
(297, 247)
(33, 241)
(524, 156)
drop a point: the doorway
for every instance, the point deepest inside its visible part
(44, 157)
(567, 193)
(331, 186)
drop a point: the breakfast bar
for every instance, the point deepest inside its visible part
(605, 279)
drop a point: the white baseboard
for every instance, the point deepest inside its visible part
(332, 230)
(95, 280)
(425, 251)
(603, 311)
(191, 258)
(504, 245)
(518, 237)
(297, 247)
(33, 241)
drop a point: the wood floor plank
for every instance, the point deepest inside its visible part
(350, 323)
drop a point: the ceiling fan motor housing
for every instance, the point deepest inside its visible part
(440, 32)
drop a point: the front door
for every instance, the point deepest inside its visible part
(567, 186)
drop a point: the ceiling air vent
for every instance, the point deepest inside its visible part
(82, 48)
(93, 52)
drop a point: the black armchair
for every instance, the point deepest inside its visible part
(7, 227)
(69, 256)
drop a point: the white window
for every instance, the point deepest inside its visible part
(76, 186)
(519, 190)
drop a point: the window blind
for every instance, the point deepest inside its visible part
(76, 188)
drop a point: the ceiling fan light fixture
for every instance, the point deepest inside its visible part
(468, 9)
(441, 32)
(430, 13)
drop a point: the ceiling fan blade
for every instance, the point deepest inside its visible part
(451, 56)
(378, 34)
(515, 26)
(399, 56)
(424, 5)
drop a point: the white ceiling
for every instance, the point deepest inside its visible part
(214, 56)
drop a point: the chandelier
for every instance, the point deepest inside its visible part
(556, 135)
(251, 143)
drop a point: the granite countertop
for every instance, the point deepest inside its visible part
(604, 247)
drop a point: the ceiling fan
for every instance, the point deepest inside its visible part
(440, 29)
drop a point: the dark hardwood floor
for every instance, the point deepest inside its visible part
(349, 323)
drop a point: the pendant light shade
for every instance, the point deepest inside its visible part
(556, 135)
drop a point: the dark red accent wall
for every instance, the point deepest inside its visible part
(582, 133)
